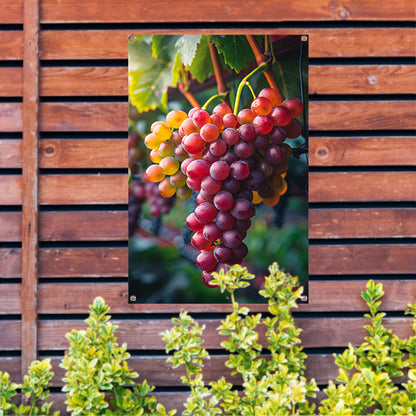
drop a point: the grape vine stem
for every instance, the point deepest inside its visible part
(261, 59)
(221, 85)
(188, 95)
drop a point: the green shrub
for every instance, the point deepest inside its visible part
(98, 380)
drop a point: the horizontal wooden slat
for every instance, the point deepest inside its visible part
(362, 223)
(160, 11)
(10, 299)
(10, 154)
(362, 79)
(362, 259)
(362, 151)
(11, 45)
(324, 296)
(11, 11)
(323, 43)
(11, 82)
(83, 116)
(362, 115)
(10, 117)
(145, 334)
(85, 81)
(69, 189)
(324, 79)
(59, 226)
(362, 186)
(83, 153)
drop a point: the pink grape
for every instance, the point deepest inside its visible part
(263, 124)
(219, 170)
(239, 170)
(206, 261)
(205, 213)
(225, 220)
(223, 200)
(212, 232)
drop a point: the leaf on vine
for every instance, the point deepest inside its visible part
(201, 66)
(149, 79)
(187, 46)
(176, 69)
(235, 49)
(164, 48)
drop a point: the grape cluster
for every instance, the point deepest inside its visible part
(233, 162)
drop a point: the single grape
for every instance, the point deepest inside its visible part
(197, 169)
(200, 118)
(204, 197)
(230, 136)
(151, 141)
(218, 148)
(239, 170)
(294, 129)
(255, 181)
(155, 156)
(184, 192)
(209, 132)
(294, 105)
(222, 253)
(188, 127)
(210, 185)
(261, 106)
(180, 153)
(162, 132)
(193, 143)
(169, 165)
(212, 232)
(154, 173)
(219, 170)
(176, 138)
(223, 200)
(260, 142)
(166, 189)
(206, 279)
(175, 118)
(280, 115)
(231, 185)
(245, 116)
(178, 179)
(241, 251)
(277, 135)
(230, 121)
(222, 109)
(216, 119)
(232, 238)
(192, 111)
(166, 149)
(200, 242)
(205, 213)
(275, 153)
(242, 209)
(225, 220)
(247, 132)
(209, 157)
(192, 223)
(206, 261)
(263, 124)
(272, 95)
(242, 225)
(194, 184)
(243, 149)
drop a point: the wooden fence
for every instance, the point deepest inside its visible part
(63, 161)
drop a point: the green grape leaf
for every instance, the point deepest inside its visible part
(187, 46)
(235, 49)
(201, 66)
(164, 47)
(149, 78)
(176, 69)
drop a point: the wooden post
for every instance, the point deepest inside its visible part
(30, 181)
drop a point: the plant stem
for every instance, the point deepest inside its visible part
(222, 87)
(243, 82)
(214, 97)
(260, 59)
(188, 95)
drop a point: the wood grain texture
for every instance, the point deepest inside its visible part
(362, 259)
(11, 45)
(85, 81)
(11, 327)
(109, 11)
(362, 115)
(11, 117)
(362, 151)
(10, 154)
(98, 116)
(144, 334)
(59, 226)
(362, 79)
(11, 82)
(362, 223)
(323, 43)
(83, 153)
(11, 11)
(10, 300)
(324, 115)
(362, 186)
(324, 79)
(69, 189)
(324, 296)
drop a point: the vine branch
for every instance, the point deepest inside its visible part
(188, 95)
(261, 59)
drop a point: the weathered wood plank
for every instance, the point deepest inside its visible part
(144, 334)
(324, 115)
(362, 259)
(11, 190)
(362, 79)
(83, 116)
(10, 299)
(324, 296)
(11, 82)
(323, 43)
(109, 11)
(83, 153)
(85, 81)
(10, 154)
(14, 335)
(362, 186)
(362, 115)
(59, 226)
(362, 151)
(362, 223)
(11, 117)
(11, 45)
(11, 11)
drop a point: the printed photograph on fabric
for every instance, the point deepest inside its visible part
(218, 163)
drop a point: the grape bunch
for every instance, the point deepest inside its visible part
(233, 162)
